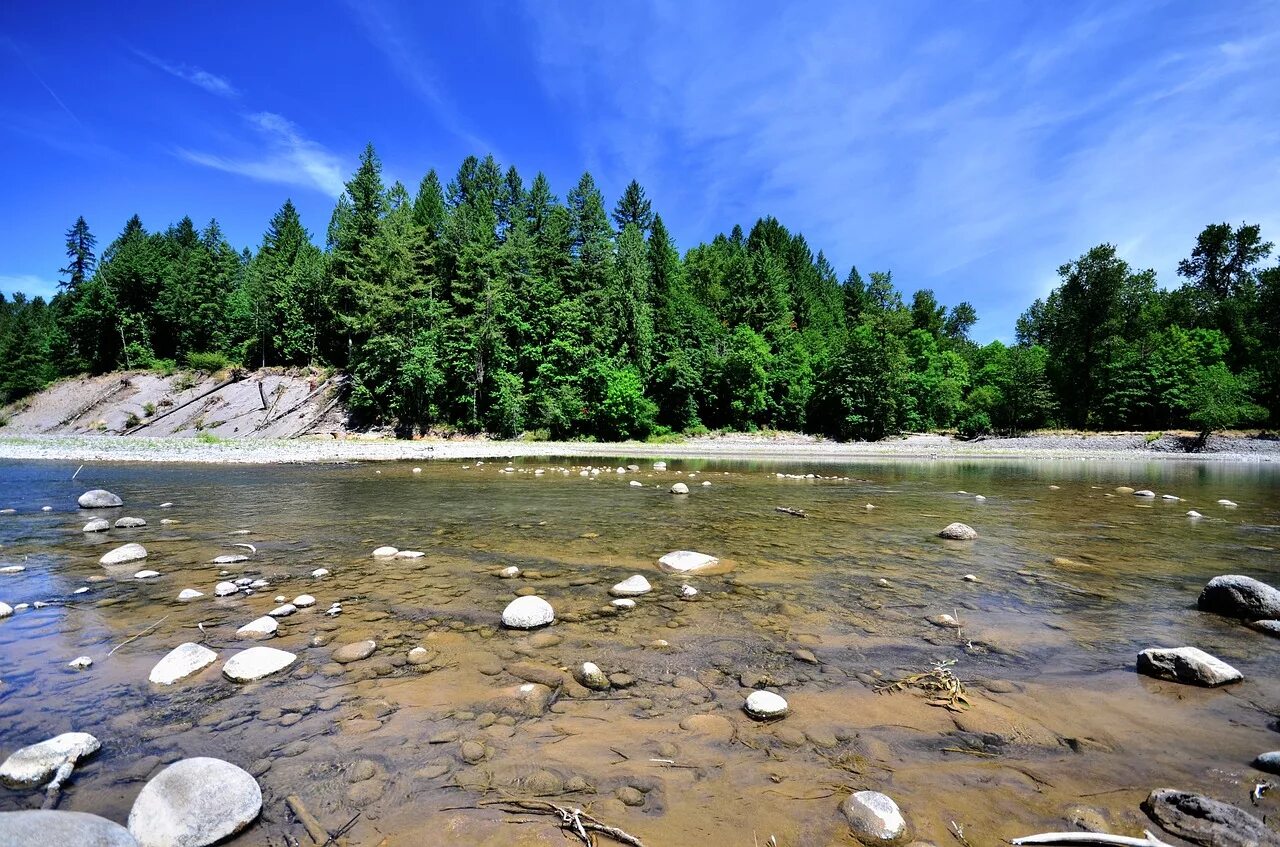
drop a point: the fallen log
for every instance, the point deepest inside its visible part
(235, 377)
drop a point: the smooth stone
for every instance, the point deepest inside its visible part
(623, 603)
(1205, 821)
(659, 466)
(283, 611)
(97, 525)
(1123, 489)
(146, 574)
(10, 569)
(970, 577)
(5, 610)
(679, 488)
(632, 586)
(1269, 762)
(686, 561)
(385, 552)
(36, 764)
(1270, 627)
(472, 752)
(80, 663)
(182, 661)
(130, 523)
(1188, 665)
(766, 705)
(302, 601)
(874, 817)
(630, 796)
(257, 662)
(99, 498)
(420, 656)
(195, 803)
(958, 532)
(349, 653)
(527, 613)
(1239, 596)
(223, 589)
(125, 553)
(688, 592)
(1229, 504)
(230, 559)
(189, 594)
(715, 727)
(319, 572)
(410, 554)
(258, 629)
(589, 675)
(48, 827)
(1194, 514)
(635, 483)
(1146, 492)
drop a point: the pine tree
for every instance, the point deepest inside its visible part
(633, 208)
(81, 260)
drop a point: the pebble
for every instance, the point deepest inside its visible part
(589, 675)
(1193, 514)
(623, 603)
(970, 577)
(472, 752)
(1227, 503)
(223, 589)
(630, 796)
(303, 601)
(958, 532)
(258, 629)
(765, 705)
(1146, 492)
(146, 574)
(635, 483)
(319, 572)
(410, 554)
(354, 652)
(125, 553)
(189, 594)
(257, 662)
(509, 572)
(385, 552)
(632, 586)
(230, 559)
(688, 592)
(130, 523)
(420, 656)
(97, 525)
(874, 817)
(283, 611)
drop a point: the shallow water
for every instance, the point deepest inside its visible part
(1046, 648)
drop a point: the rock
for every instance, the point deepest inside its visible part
(80, 663)
(659, 466)
(35, 827)
(130, 523)
(1123, 489)
(686, 561)
(1202, 820)
(1146, 492)
(125, 553)
(182, 661)
(1193, 514)
(36, 765)
(715, 727)
(543, 783)
(99, 498)
(528, 613)
(385, 552)
(303, 601)
(679, 488)
(283, 611)
(230, 559)
(223, 589)
(146, 574)
(590, 676)
(1227, 503)
(349, 653)
(1239, 596)
(630, 796)
(194, 803)
(688, 592)
(623, 603)
(957, 532)
(509, 572)
(257, 662)
(10, 569)
(765, 705)
(410, 554)
(970, 577)
(874, 817)
(319, 572)
(1270, 627)
(944, 620)
(1187, 665)
(1087, 819)
(804, 655)
(632, 586)
(1269, 762)
(472, 752)
(5, 610)
(635, 483)
(189, 594)
(420, 656)
(259, 628)
(97, 525)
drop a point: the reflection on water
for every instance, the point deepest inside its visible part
(1071, 583)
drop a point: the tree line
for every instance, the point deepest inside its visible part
(489, 304)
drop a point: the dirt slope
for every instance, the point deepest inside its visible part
(268, 403)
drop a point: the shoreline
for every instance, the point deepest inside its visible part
(782, 448)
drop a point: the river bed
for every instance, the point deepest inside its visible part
(1071, 580)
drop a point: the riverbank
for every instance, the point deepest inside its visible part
(791, 447)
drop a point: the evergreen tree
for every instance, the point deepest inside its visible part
(633, 207)
(81, 260)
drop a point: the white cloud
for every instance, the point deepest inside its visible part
(31, 285)
(289, 158)
(211, 83)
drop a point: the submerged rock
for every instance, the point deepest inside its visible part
(765, 705)
(99, 498)
(589, 675)
(1188, 665)
(1203, 820)
(194, 803)
(1270, 627)
(257, 662)
(303, 601)
(230, 559)
(79, 663)
(686, 561)
(410, 554)
(874, 817)
(319, 572)
(1269, 762)
(146, 574)
(97, 525)
(123, 554)
(283, 611)
(1146, 492)
(623, 603)
(958, 532)
(528, 613)
(5, 610)
(632, 586)
(182, 661)
(224, 589)
(1240, 597)
(1229, 504)
(36, 765)
(354, 652)
(34, 827)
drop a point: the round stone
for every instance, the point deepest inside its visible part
(679, 488)
(223, 589)
(49, 826)
(36, 764)
(189, 594)
(349, 653)
(182, 661)
(257, 662)
(194, 803)
(766, 705)
(385, 552)
(97, 525)
(123, 554)
(958, 532)
(686, 561)
(874, 817)
(528, 613)
(99, 498)
(130, 523)
(632, 586)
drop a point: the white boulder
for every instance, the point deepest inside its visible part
(180, 662)
(765, 705)
(99, 498)
(385, 552)
(66, 829)
(263, 627)
(874, 817)
(123, 554)
(223, 589)
(36, 765)
(189, 594)
(679, 488)
(194, 803)
(97, 525)
(257, 662)
(958, 532)
(302, 601)
(686, 561)
(528, 613)
(632, 586)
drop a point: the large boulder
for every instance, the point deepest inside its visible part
(257, 662)
(99, 498)
(181, 662)
(1188, 665)
(123, 554)
(527, 613)
(1202, 820)
(36, 765)
(34, 827)
(194, 803)
(686, 561)
(1240, 597)
(874, 817)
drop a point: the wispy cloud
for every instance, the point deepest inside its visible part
(211, 83)
(31, 285)
(288, 158)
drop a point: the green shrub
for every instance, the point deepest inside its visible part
(184, 382)
(208, 438)
(1152, 437)
(132, 421)
(148, 409)
(165, 367)
(536, 435)
(697, 431)
(208, 362)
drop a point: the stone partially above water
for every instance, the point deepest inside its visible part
(1188, 665)
(36, 765)
(189, 594)
(1203, 820)
(679, 488)
(195, 803)
(99, 498)
(1269, 762)
(97, 525)
(958, 532)
(257, 662)
(225, 589)
(354, 652)
(874, 817)
(527, 613)
(36, 827)
(1239, 596)
(766, 705)
(130, 523)
(263, 627)
(632, 586)
(230, 559)
(385, 552)
(686, 561)
(182, 661)
(123, 554)
(588, 674)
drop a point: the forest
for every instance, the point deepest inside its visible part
(489, 305)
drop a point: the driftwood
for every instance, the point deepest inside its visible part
(53, 791)
(235, 377)
(318, 833)
(270, 419)
(139, 635)
(1091, 838)
(88, 407)
(576, 821)
(315, 420)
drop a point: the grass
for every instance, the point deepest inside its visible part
(208, 438)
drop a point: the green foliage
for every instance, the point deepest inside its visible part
(1218, 399)
(132, 420)
(208, 362)
(622, 411)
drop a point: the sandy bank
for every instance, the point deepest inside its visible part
(785, 447)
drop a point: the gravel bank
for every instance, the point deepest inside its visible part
(1128, 446)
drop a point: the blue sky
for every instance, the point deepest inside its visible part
(968, 147)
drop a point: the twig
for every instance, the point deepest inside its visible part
(77, 473)
(308, 820)
(1092, 838)
(984, 754)
(333, 839)
(139, 635)
(53, 790)
(575, 820)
